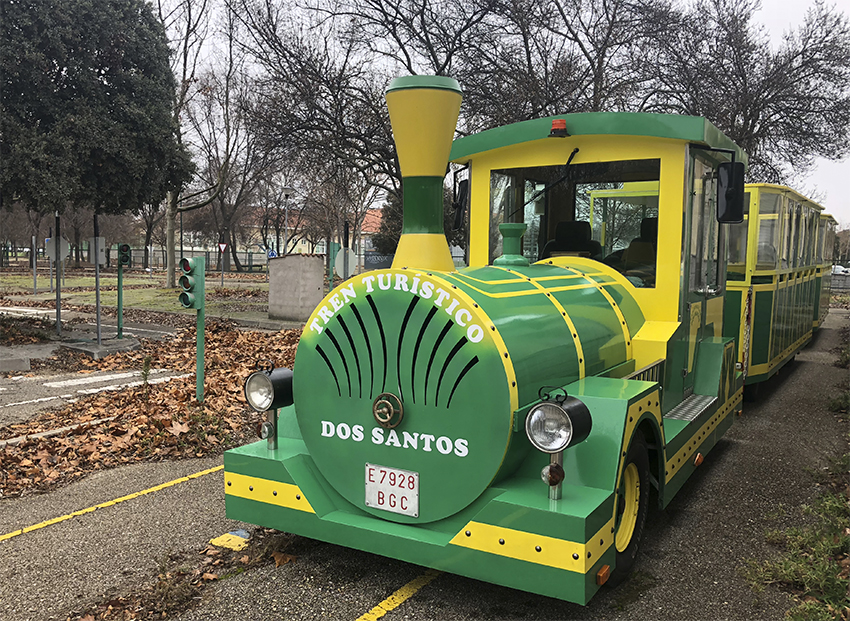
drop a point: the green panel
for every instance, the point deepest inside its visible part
(391, 332)
(677, 127)
(732, 306)
(423, 205)
(424, 81)
(762, 327)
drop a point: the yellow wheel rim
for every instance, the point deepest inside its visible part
(628, 501)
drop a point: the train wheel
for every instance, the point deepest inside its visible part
(632, 505)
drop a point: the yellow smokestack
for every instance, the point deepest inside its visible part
(423, 112)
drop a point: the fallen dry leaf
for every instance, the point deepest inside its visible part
(280, 558)
(177, 428)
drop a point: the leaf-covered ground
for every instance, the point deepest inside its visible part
(152, 421)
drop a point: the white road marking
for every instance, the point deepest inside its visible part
(93, 379)
(39, 400)
(130, 330)
(159, 380)
(91, 391)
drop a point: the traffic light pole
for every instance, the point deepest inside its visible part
(120, 300)
(192, 282)
(199, 356)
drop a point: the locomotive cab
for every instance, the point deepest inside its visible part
(506, 420)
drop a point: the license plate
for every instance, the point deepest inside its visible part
(392, 489)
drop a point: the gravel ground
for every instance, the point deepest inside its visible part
(689, 566)
(45, 574)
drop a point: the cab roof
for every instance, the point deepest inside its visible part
(695, 129)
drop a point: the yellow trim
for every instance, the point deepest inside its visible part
(425, 251)
(540, 289)
(521, 545)
(654, 303)
(264, 490)
(150, 490)
(694, 327)
(714, 315)
(699, 437)
(650, 342)
(626, 530)
(423, 122)
(759, 369)
(400, 596)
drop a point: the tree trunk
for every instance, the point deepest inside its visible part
(170, 225)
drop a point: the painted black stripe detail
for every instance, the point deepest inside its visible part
(451, 356)
(401, 341)
(342, 356)
(354, 351)
(425, 324)
(368, 347)
(330, 368)
(434, 353)
(466, 369)
(383, 338)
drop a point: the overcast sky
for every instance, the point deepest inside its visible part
(829, 179)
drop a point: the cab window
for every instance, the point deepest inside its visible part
(607, 211)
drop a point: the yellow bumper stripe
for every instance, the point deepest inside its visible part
(264, 490)
(521, 545)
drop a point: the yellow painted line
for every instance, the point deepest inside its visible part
(110, 503)
(267, 491)
(399, 597)
(538, 549)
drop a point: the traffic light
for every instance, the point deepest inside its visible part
(125, 254)
(192, 282)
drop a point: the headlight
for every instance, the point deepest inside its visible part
(268, 390)
(553, 426)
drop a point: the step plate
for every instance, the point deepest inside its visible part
(691, 408)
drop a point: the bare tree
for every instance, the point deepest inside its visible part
(186, 24)
(784, 107)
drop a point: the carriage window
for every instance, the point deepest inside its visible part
(738, 234)
(821, 237)
(768, 231)
(607, 211)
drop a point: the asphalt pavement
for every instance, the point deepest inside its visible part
(689, 565)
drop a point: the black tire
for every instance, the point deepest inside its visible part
(627, 550)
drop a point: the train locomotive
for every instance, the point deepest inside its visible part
(511, 420)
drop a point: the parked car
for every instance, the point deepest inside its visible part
(840, 271)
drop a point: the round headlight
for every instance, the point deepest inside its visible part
(549, 428)
(259, 391)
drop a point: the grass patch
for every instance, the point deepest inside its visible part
(814, 561)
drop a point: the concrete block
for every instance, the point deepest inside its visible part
(295, 286)
(15, 363)
(106, 348)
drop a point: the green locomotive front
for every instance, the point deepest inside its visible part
(503, 421)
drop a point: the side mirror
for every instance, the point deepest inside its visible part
(730, 192)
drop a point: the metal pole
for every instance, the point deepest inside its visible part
(555, 490)
(221, 264)
(97, 278)
(285, 223)
(345, 253)
(57, 258)
(34, 266)
(199, 362)
(181, 234)
(120, 296)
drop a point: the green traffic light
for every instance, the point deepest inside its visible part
(187, 299)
